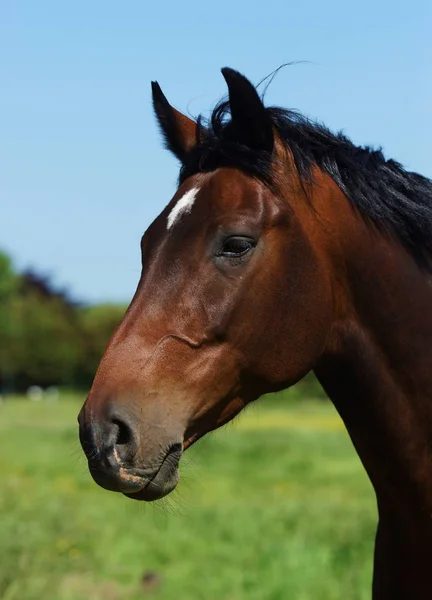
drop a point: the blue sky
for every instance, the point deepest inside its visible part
(82, 168)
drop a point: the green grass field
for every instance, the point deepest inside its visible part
(275, 506)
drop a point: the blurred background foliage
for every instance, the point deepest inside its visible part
(46, 337)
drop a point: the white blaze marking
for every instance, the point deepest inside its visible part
(183, 206)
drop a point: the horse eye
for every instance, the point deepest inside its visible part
(236, 246)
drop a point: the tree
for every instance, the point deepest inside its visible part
(97, 324)
(46, 338)
(9, 327)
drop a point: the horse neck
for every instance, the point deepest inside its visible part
(377, 370)
(377, 364)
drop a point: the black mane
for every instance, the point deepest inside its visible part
(397, 201)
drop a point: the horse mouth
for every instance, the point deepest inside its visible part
(164, 480)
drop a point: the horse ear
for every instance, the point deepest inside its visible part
(179, 131)
(249, 117)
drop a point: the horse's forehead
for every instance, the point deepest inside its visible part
(182, 206)
(221, 190)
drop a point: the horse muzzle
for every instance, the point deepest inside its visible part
(125, 457)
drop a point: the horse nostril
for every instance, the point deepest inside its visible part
(124, 434)
(123, 439)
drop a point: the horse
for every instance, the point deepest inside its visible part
(285, 249)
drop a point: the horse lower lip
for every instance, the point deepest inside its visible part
(133, 480)
(137, 479)
(163, 481)
(157, 488)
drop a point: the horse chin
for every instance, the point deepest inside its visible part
(162, 485)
